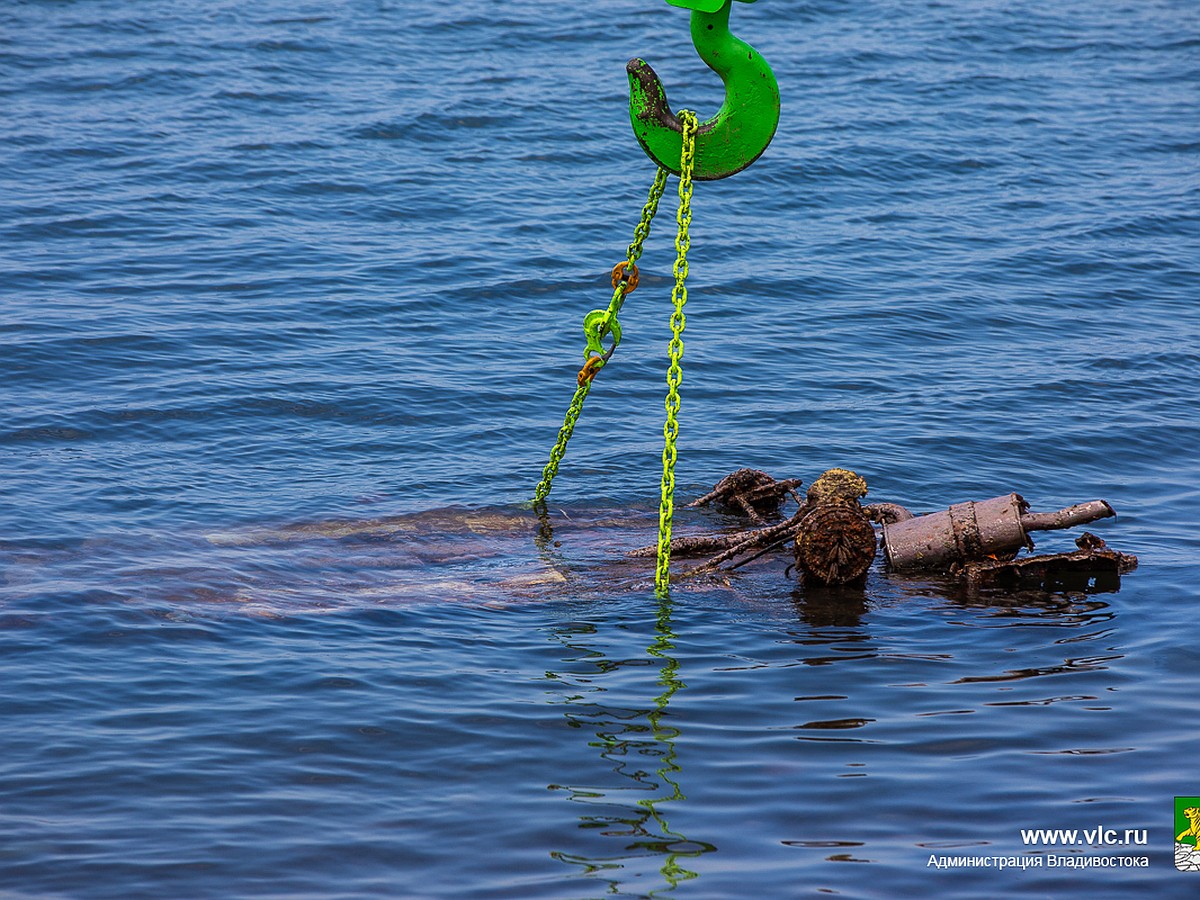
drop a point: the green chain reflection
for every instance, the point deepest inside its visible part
(645, 731)
(668, 679)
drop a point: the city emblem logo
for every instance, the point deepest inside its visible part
(1187, 834)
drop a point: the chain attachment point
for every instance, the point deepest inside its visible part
(589, 370)
(619, 275)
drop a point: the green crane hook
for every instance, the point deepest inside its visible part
(744, 125)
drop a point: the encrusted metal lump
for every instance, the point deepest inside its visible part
(835, 542)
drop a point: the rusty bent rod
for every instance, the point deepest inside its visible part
(977, 530)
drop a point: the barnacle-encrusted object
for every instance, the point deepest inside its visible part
(835, 543)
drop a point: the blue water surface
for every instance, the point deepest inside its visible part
(290, 307)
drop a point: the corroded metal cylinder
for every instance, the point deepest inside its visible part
(971, 530)
(977, 530)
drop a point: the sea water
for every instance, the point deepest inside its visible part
(290, 313)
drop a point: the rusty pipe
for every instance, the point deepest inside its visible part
(1079, 514)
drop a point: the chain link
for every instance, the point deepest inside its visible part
(683, 242)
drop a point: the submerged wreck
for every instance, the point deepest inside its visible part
(834, 538)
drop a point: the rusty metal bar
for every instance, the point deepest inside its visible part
(1079, 514)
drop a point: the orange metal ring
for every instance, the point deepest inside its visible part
(589, 370)
(618, 275)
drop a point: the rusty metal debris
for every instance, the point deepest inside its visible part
(995, 528)
(752, 492)
(834, 543)
(1091, 568)
(749, 492)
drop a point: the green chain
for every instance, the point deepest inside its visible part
(601, 322)
(596, 325)
(560, 446)
(683, 241)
